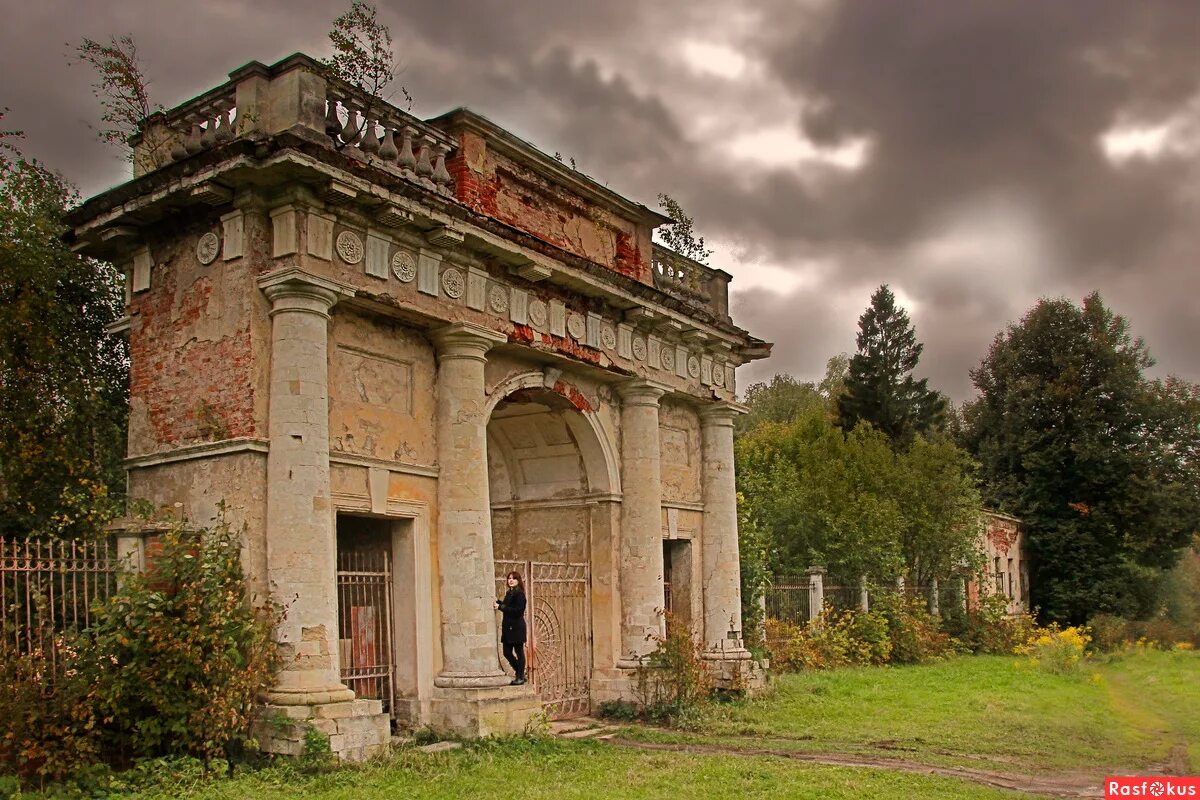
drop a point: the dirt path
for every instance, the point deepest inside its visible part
(1063, 785)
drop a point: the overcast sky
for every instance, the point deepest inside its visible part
(973, 154)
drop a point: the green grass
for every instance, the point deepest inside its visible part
(556, 770)
(994, 713)
(990, 714)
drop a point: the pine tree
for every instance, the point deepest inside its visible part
(880, 388)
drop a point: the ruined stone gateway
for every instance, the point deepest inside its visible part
(409, 356)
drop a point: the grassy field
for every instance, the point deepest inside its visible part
(562, 770)
(988, 716)
(1130, 712)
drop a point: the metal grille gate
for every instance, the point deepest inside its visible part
(364, 585)
(559, 651)
(47, 587)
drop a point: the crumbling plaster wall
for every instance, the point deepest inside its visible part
(201, 486)
(194, 336)
(381, 390)
(495, 185)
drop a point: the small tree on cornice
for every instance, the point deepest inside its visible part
(122, 89)
(362, 52)
(680, 237)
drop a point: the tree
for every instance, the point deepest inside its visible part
(1100, 463)
(63, 380)
(362, 51)
(879, 386)
(680, 236)
(122, 89)
(818, 496)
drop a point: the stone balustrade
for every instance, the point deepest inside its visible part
(690, 280)
(281, 97)
(382, 132)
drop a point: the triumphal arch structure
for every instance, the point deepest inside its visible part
(408, 356)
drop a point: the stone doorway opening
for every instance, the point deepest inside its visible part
(548, 506)
(366, 647)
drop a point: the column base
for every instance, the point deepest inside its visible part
(308, 696)
(736, 673)
(471, 680)
(612, 685)
(356, 729)
(478, 712)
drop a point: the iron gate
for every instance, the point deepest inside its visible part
(559, 650)
(364, 584)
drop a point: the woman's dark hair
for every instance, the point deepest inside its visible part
(517, 575)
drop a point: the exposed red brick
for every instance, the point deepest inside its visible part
(192, 389)
(573, 395)
(629, 257)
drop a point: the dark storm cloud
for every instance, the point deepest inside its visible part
(984, 184)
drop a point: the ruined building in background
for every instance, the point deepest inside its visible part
(410, 356)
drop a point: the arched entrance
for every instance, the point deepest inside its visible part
(547, 471)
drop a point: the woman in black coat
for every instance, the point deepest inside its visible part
(512, 629)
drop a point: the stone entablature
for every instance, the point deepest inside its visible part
(327, 324)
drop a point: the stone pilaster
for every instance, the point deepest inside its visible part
(301, 544)
(466, 563)
(641, 570)
(721, 567)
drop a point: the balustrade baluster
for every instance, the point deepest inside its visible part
(192, 143)
(371, 142)
(424, 165)
(333, 125)
(440, 174)
(225, 130)
(406, 159)
(388, 151)
(209, 136)
(351, 129)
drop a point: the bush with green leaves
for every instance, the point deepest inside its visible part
(171, 667)
(673, 679)
(182, 652)
(916, 635)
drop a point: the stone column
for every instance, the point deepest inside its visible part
(465, 559)
(301, 541)
(641, 570)
(722, 567)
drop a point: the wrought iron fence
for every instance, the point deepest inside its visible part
(787, 598)
(48, 587)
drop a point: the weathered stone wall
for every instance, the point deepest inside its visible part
(200, 485)
(496, 185)
(679, 434)
(381, 390)
(193, 337)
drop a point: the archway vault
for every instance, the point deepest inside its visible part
(595, 443)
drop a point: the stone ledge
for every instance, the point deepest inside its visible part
(494, 711)
(356, 729)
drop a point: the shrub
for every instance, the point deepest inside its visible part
(48, 720)
(834, 639)
(1056, 650)
(182, 654)
(1110, 633)
(915, 634)
(171, 667)
(674, 678)
(989, 629)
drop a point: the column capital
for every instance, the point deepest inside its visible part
(721, 414)
(293, 289)
(464, 340)
(641, 392)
